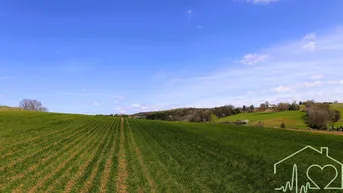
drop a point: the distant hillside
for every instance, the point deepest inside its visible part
(292, 115)
(291, 119)
(190, 114)
(7, 108)
(180, 114)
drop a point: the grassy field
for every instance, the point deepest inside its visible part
(338, 107)
(7, 108)
(292, 119)
(46, 152)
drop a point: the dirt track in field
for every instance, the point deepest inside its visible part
(122, 170)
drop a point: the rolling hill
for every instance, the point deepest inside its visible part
(7, 108)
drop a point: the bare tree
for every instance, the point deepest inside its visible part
(318, 115)
(266, 104)
(335, 116)
(262, 107)
(283, 106)
(32, 105)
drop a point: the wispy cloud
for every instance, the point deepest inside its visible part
(190, 14)
(333, 82)
(310, 36)
(282, 89)
(310, 41)
(261, 1)
(316, 77)
(313, 84)
(310, 46)
(96, 104)
(141, 107)
(121, 110)
(282, 72)
(251, 59)
(118, 97)
(136, 105)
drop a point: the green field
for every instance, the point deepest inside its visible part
(7, 108)
(338, 107)
(46, 152)
(292, 119)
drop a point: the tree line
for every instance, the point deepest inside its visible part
(318, 115)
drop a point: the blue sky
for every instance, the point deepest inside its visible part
(129, 56)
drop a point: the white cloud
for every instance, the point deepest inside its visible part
(119, 97)
(316, 77)
(121, 110)
(251, 59)
(115, 102)
(145, 107)
(96, 104)
(311, 46)
(142, 107)
(282, 89)
(310, 36)
(335, 82)
(312, 84)
(190, 14)
(310, 42)
(136, 105)
(261, 1)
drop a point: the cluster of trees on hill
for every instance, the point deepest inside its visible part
(283, 106)
(209, 114)
(319, 115)
(196, 114)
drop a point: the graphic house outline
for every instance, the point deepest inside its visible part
(324, 151)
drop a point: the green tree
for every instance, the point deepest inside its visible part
(335, 116)
(213, 118)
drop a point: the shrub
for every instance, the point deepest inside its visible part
(335, 116)
(283, 125)
(318, 115)
(283, 106)
(260, 124)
